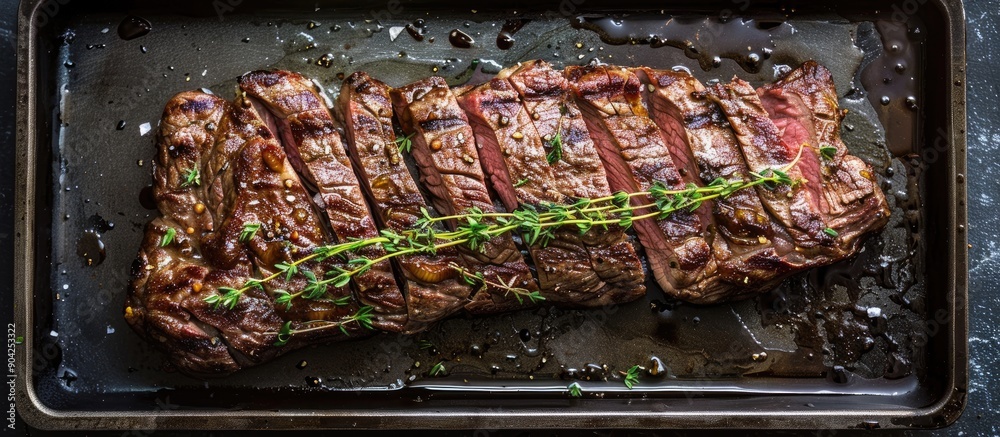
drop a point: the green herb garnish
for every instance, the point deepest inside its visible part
(168, 237)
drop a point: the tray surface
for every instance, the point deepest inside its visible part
(857, 336)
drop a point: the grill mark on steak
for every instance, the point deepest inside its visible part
(579, 173)
(445, 151)
(798, 208)
(433, 290)
(752, 250)
(310, 132)
(509, 149)
(187, 132)
(635, 155)
(804, 107)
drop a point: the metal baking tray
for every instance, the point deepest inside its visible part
(879, 341)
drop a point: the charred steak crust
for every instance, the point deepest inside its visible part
(433, 290)
(445, 152)
(635, 154)
(311, 138)
(187, 133)
(172, 276)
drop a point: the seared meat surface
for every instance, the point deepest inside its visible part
(256, 194)
(515, 162)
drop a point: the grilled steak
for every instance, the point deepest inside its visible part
(635, 155)
(752, 250)
(252, 188)
(174, 274)
(433, 290)
(796, 208)
(445, 151)
(578, 173)
(803, 105)
(514, 160)
(314, 146)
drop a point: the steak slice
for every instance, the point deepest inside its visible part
(578, 173)
(433, 290)
(187, 132)
(511, 150)
(310, 137)
(796, 208)
(752, 250)
(636, 155)
(803, 105)
(445, 151)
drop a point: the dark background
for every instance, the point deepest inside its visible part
(982, 414)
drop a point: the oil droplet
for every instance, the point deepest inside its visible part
(884, 100)
(325, 61)
(460, 39)
(505, 40)
(416, 32)
(525, 335)
(911, 102)
(147, 199)
(133, 27)
(91, 248)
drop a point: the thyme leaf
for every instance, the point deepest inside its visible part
(168, 237)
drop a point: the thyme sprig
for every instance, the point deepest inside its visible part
(575, 390)
(363, 317)
(474, 228)
(192, 178)
(404, 144)
(479, 280)
(632, 376)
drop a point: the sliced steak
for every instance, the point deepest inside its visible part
(635, 155)
(313, 144)
(433, 290)
(803, 106)
(578, 173)
(796, 208)
(187, 132)
(173, 276)
(445, 152)
(514, 160)
(752, 250)
(546, 95)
